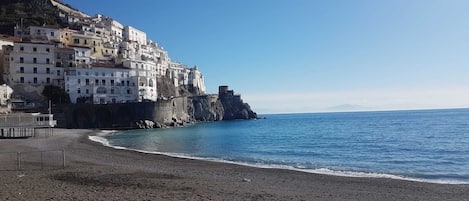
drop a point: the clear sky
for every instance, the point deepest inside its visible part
(312, 56)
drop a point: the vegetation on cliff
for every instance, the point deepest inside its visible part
(27, 12)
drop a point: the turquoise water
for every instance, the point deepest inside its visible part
(425, 145)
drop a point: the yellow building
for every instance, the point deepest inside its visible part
(84, 40)
(66, 36)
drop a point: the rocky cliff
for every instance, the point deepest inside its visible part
(164, 113)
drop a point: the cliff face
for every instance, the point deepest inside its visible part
(205, 108)
(171, 112)
(234, 107)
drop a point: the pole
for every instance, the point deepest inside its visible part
(63, 158)
(18, 160)
(42, 160)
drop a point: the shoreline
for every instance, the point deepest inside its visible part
(99, 138)
(115, 174)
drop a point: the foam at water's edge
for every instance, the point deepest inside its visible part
(100, 139)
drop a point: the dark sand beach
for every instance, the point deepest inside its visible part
(96, 172)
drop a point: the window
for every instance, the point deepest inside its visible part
(70, 56)
(47, 61)
(103, 82)
(103, 74)
(78, 91)
(128, 83)
(21, 79)
(85, 42)
(79, 81)
(112, 91)
(78, 73)
(35, 80)
(48, 70)
(52, 33)
(112, 82)
(35, 70)
(34, 49)
(21, 48)
(21, 59)
(34, 60)
(58, 72)
(96, 82)
(87, 91)
(48, 80)
(101, 90)
(21, 69)
(86, 73)
(47, 50)
(129, 91)
(87, 81)
(76, 41)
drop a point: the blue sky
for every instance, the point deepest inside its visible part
(313, 56)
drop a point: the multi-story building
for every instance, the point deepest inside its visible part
(133, 34)
(6, 46)
(116, 29)
(107, 83)
(82, 39)
(143, 73)
(33, 64)
(100, 84)
(83, 57)
(196, 79)
(44, 33)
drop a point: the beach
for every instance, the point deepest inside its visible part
(96, 172)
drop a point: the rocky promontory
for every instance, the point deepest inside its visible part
(168, 112)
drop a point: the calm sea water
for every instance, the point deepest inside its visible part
(425, 145)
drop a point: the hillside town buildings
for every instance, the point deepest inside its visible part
(97, 60)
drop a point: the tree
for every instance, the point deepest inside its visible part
(56, 94)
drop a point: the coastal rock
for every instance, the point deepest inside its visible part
(234, 107)
(205, 108)
(145, 124)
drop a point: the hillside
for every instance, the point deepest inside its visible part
(33, 13)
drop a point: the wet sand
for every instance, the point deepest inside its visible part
(96, 172)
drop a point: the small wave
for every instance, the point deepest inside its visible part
(324, 171)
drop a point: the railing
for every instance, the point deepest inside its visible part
(32, 160)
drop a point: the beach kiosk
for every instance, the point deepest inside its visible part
(23, 125)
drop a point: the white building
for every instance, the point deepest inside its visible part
(116, 29)
(143, 73)
(33, 64)
(105, 83)
(5, 95)
(44, 33)
(100, 84)
(83, 56)
(179, 73)
(133, 34)
(196, 79)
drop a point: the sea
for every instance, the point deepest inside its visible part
(421, 145)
